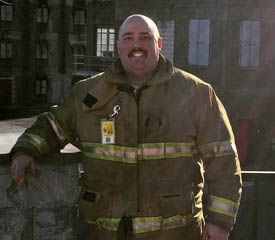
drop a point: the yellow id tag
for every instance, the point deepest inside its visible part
(108, 131)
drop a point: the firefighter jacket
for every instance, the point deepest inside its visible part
(170, 134)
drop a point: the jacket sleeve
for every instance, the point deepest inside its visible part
(217, 148)
(51, 131)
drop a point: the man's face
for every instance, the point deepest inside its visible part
(139, 46)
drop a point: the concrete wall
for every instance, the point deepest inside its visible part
(46, 210)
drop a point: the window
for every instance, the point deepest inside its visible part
(199, 42)
(78, 53)
(6, 13)
(41, 87)
(42, 50)
(105, 42)
(250, 43)
(6, 50)
(79, 17)
(42, 15)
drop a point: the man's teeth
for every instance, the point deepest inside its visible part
(137, 54)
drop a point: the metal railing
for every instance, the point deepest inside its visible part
(82, 63)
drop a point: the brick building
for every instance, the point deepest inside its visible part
(47, 45)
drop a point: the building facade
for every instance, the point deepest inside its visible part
(48, 45)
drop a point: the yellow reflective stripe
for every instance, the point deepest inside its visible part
(146, 151)
(222, 205)
(145, 224)
(38, 142)
(151, 151)
(218, 149)
(56, 127)
(109, 152)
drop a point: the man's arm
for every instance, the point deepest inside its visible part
(216, 146)
(50, 133)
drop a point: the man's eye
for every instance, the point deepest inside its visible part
(127, 39)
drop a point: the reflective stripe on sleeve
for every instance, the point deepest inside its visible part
(218, 149)
(146, 151)
(222, 205)
(145, 224)
(38, 142)
(56, 128)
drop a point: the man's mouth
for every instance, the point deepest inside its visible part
(137, 53)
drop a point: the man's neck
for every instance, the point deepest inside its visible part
(138, 80)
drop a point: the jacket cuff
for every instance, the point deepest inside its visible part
(26, 149)
(222, 221)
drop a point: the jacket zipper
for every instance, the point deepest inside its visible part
(136, 96)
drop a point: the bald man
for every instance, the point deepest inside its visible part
(150, 134)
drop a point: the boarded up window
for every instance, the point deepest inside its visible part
(199, 42)
(250, 43)
(41, 87)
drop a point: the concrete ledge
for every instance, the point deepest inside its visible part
(46, 210)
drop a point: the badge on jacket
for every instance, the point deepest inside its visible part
(108, 131)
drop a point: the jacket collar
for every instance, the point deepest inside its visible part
(163, 73)
(106, 88)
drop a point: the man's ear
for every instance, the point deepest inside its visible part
(160, 42)
(118, 46)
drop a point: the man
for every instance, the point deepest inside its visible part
(150, 133)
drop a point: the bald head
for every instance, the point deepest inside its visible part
(140, 18)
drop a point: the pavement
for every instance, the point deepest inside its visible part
(11, 129)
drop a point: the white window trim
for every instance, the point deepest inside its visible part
(42, 50)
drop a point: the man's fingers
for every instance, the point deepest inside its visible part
(18, 174)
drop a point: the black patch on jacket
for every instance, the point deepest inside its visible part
(89, 100)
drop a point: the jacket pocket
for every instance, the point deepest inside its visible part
(177, 204)
(89, 204)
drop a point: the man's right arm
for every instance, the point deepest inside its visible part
(50, 133)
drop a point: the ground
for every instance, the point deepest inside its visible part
(11, 129)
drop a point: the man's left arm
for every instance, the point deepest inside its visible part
(216, 145)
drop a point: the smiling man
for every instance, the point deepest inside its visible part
(150, 135)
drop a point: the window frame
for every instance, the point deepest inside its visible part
(100, 45)
(79, 19)
(41, 51)
(42, 14)
(4, 16)
(8, 50)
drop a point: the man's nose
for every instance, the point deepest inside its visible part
(136, 43)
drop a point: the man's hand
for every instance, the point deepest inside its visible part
(19, 166)
(214, 232)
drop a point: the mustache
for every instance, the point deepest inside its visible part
(137, 49)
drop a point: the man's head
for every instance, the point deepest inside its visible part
(139, 46)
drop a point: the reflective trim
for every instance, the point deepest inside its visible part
(109, 152)
(218, 149)
(145, 224)
(222, 205)
(56, 127)
(38, 142)
(146, 151)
